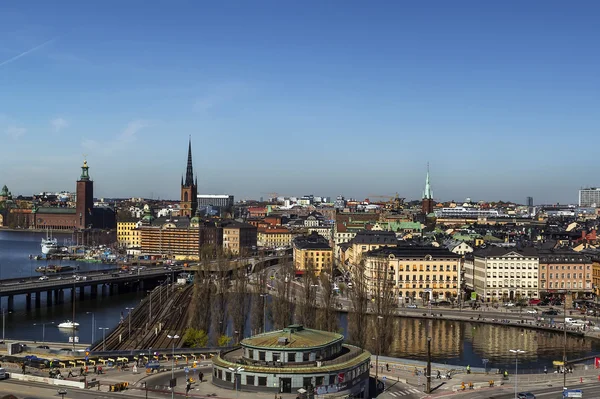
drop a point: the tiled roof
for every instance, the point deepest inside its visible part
(495, 251)
(375, 237)
(298, 338)
(64, 211)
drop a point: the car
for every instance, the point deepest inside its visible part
(509, 304)
(525, 395)
(43, 347)
(550, 312)
(44, 278)
(411, 306)
(531, 311)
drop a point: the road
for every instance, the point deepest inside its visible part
(396, 390)
(590, 391)
(29, 390)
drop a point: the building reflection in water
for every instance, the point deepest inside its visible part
(465, 343)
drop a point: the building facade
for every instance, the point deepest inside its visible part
(128, 234)
(501, 274)
(566, 270)
(415, 272)
(312, 252)
(365, 241)
(285, 361)
(275, 237)
(224, 201)
(589, 197)
(239, 238)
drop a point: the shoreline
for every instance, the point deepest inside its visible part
(34, 230)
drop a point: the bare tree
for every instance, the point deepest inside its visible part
(384, 303)
(238, 301)
(327, 313)
(258, 306)
(282, 306)
(359, 305)
(219, 298)
(307, 309)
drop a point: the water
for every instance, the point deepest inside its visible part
(15, 248)
(452, 342)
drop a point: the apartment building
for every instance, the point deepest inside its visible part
(312, 251)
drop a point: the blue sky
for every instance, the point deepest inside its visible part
(324, 97)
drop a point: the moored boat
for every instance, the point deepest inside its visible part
(69, 324)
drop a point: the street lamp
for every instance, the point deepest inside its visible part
(93, 325)
(516, 352)
(129, 317)
(4, 312)
(236, 371)
(103, 337)
(43, 329)
(172, 338)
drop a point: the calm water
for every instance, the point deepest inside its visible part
(452, 342)
(15, 248)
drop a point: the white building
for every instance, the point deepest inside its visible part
(589, 197)
(500, 274)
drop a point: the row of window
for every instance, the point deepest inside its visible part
(568, 285)
(512, 283)
(517, 265)
(433, 278)
(568, 267)
(512, 275)
(427, 268)
(562, 275)
(400, 285)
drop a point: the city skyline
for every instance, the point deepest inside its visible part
(318, 98)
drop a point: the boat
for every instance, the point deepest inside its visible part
(49, 244)
(54, 269)
(69, 324)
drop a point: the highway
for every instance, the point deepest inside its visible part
(590, 391)
(96, 277)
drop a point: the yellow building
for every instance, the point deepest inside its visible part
(596, 274)
(238, 237)
(365, 241)
(312, 251)
(428, 273)
(128, 235)
(275, 237)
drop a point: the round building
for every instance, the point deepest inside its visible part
(295, 360)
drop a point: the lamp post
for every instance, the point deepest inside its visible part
(565, 341)
(236, 371)
(172, 338)
(516, 352)
(264, 296)
(43, 329)
(428, 365)
(129, 317)
(93, 325)
(4, 312)
(103, 337)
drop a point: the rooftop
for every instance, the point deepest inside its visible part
(416, 251)
(375, 237)
(312, 241)
(294, 337)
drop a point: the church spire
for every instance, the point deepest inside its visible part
(427, 194)
(189, 173)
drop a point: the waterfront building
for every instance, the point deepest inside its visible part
(189, 188)
(596, 274)
(424, 272)
(565, 269)
(312, 252)
(295, 358)
(589, 197)
(500, 273)
(128, 233)
(82, 216)
(239, 238)
(364, 241)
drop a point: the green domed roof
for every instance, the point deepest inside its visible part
(4, 192)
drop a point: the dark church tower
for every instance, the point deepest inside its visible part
(85, 198)
(427, 202)
(189, 189)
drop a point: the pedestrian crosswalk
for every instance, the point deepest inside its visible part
(404, 392)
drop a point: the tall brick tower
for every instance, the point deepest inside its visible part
(427, 202)
(85, 198)
(189, 188)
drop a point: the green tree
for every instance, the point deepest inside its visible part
(223, 340)
(193, 338)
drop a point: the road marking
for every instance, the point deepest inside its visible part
(393, 394)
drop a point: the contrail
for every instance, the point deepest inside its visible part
(23, 54)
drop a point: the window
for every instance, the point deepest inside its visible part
(250, 354)
(249, 380)
(227, 376)
(319, 381)
(305, 356)
(276, 357)
(262, 381)
(291, 357)
(307, 382)
(261, 356)
(332, 379)
(220, 374)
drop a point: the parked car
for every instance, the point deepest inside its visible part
(43, 347)
(44, 278)
(531, 311)
(550, 312)
(411, 306)
(509, 304)
(525, 395)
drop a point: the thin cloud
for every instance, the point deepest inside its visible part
(24, 53)
(15, 132)
(59, 124)
(218, 96)
(120, 142)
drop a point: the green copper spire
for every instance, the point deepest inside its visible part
(84, 171)
(427, 193)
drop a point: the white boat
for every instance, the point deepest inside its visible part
(49, 245)
(69, 324)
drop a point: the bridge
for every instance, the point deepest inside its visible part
(112, 280)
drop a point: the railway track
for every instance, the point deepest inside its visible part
(149, 328)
